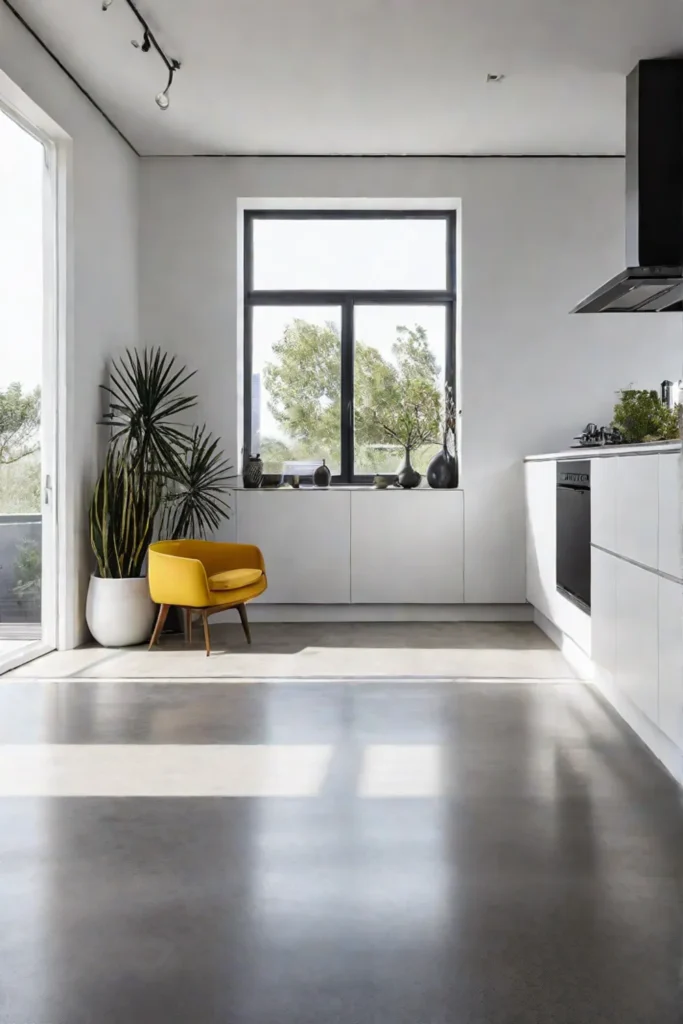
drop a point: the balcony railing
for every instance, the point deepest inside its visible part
(20, 575)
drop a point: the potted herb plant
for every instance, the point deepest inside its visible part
(642, 416)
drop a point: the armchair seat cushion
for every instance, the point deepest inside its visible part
(234, 579)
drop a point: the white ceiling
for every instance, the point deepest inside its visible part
(364, 76)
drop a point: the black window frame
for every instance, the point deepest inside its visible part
(347, 300)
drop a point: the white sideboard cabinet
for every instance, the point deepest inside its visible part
(407, 548)
(338, 545)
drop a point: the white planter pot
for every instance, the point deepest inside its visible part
(120, 613)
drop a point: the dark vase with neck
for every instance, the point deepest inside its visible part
(408, 477)
(442, 471)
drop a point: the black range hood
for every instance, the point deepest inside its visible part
(653, 279)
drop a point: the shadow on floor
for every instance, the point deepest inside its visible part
(294, 637)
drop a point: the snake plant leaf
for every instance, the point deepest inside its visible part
(125, 504)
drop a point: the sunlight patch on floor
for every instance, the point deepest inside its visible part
(400, 770)
(309, 663)
(168, 770)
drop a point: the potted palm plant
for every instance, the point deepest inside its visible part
(194, 502)
(159, 476)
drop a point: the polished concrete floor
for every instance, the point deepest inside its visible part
(351, 853)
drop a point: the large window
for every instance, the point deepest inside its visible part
(349, 327)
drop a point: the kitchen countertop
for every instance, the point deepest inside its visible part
(651, 448)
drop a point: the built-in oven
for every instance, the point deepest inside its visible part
(573, 538)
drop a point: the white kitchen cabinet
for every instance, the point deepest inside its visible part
(638, 636)
(670, 518)
(407, 547)
(540, 480)
(604, 502)
(638, 508)
(305, 539)
(604, 611)
(670, 716)
(634, 634)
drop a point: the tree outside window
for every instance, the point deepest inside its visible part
(19, 450)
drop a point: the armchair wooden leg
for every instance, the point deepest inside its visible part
(188, 625)
(242, 609)
(161, 619)
(207, 638)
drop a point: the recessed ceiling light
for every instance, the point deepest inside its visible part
(494, 78)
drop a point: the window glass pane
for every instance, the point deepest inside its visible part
(296, 388)
(22, 171)
(399, 378)
(350, 254)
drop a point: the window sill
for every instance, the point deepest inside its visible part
(346, 487)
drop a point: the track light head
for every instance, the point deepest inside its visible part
(149, 40)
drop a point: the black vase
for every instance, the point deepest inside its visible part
(407, 477)
(322, 476)
(442, 471)
(252, 475)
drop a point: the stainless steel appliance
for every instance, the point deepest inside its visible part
(573, 539)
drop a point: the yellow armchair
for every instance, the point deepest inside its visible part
(204, 576)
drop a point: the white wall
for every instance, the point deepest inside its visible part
(102, 197)
(537, 235)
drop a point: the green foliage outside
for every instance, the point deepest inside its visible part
(19, 450)
(19, 423)
(641, 416)
(28, 572)
(20, 486)
(303, 387)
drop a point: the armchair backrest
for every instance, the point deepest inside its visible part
(177, 575)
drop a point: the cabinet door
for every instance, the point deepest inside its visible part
(540, 480)
(671, 660)
(407, 547)
(604, 502)
(305, 539)
(638, 508)
(604, 611)
(637, 636)
(670, 519)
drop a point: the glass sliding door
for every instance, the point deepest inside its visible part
(27, 395)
